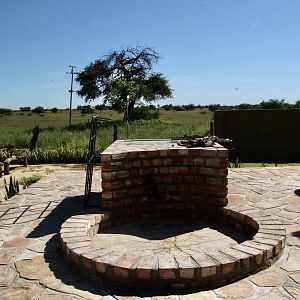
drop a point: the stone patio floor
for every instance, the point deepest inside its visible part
(33, 267)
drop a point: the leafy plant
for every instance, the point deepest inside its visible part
(236, 164)
(12, 188)
(27, 181)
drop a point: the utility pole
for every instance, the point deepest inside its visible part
(71, 91)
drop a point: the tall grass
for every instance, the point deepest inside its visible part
(64, 144)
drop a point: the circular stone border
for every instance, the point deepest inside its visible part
(194, 270)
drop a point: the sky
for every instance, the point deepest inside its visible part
(212, 51)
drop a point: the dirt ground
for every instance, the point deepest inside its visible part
(21, 172)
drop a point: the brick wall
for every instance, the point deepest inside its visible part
(166, 179)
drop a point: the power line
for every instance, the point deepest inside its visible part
(71, 91)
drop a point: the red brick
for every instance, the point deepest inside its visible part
(268, 249)
(183, 170)
(199, 161)
(173, 170)
(117, 165)
(167, 178)
(127, 164)
(127, 182)
(143, 171)
(167, 267)
(167, 161)
(153, 171)
(152, 153)
(172, 152)
(188, 161)
(208, 267)
(186, 266)
(107, 195)
(120, 174)
(105, 157)
(177, 161)
(106, 166)
(228, 264)
(222, 153)
(133, 154)
(147, 162)
(258, 254)
(119, 156)
(212, 162)
(212, 152)
(157, 162)
(142, 154)
(107, 175)
(178, 178)
(188, 179)
(163, 153)
(146, 266)
(136, 163)
(163, 170)
(115, 184)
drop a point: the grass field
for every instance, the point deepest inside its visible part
(16, 128)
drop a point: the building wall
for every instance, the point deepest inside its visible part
(261, 135)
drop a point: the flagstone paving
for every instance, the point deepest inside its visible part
(32, 265)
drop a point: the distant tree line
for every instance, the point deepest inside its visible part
(151, 109)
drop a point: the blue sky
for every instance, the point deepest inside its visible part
(212, 51)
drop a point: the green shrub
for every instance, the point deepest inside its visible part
(87, 109)
(54, 109)
(143, 113)
(27, 181)
(39, 110)
(5, 111)
(25, 108)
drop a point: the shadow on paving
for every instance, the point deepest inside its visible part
(65, 209)
(70, 276)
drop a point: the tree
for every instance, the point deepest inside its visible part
(123, 78)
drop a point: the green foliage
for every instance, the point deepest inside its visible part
(54, 109)
(143, 113)
(272, 104)
(12, 188)
(5, 111)
(122, 78)
(87, 109)
(101, 107)
(27, 181)
(39, 110)
(25, 108)
(213, 107)
(58, 156)
(236, 164)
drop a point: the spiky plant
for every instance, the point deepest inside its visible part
(12, 188)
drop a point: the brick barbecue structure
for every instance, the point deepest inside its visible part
(159, 177)
(149, 179)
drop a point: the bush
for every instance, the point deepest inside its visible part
(189, 107)
(5, 111)
(25, 108)
(100, 107)
(87, 109)
(27, 181)
(54, 109)
(143, 113)
(39, 110)
(213, 107)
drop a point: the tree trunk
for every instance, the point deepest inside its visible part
(130, 109)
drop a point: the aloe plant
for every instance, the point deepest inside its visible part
(12, 188)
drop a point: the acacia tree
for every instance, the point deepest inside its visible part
(122, 78)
